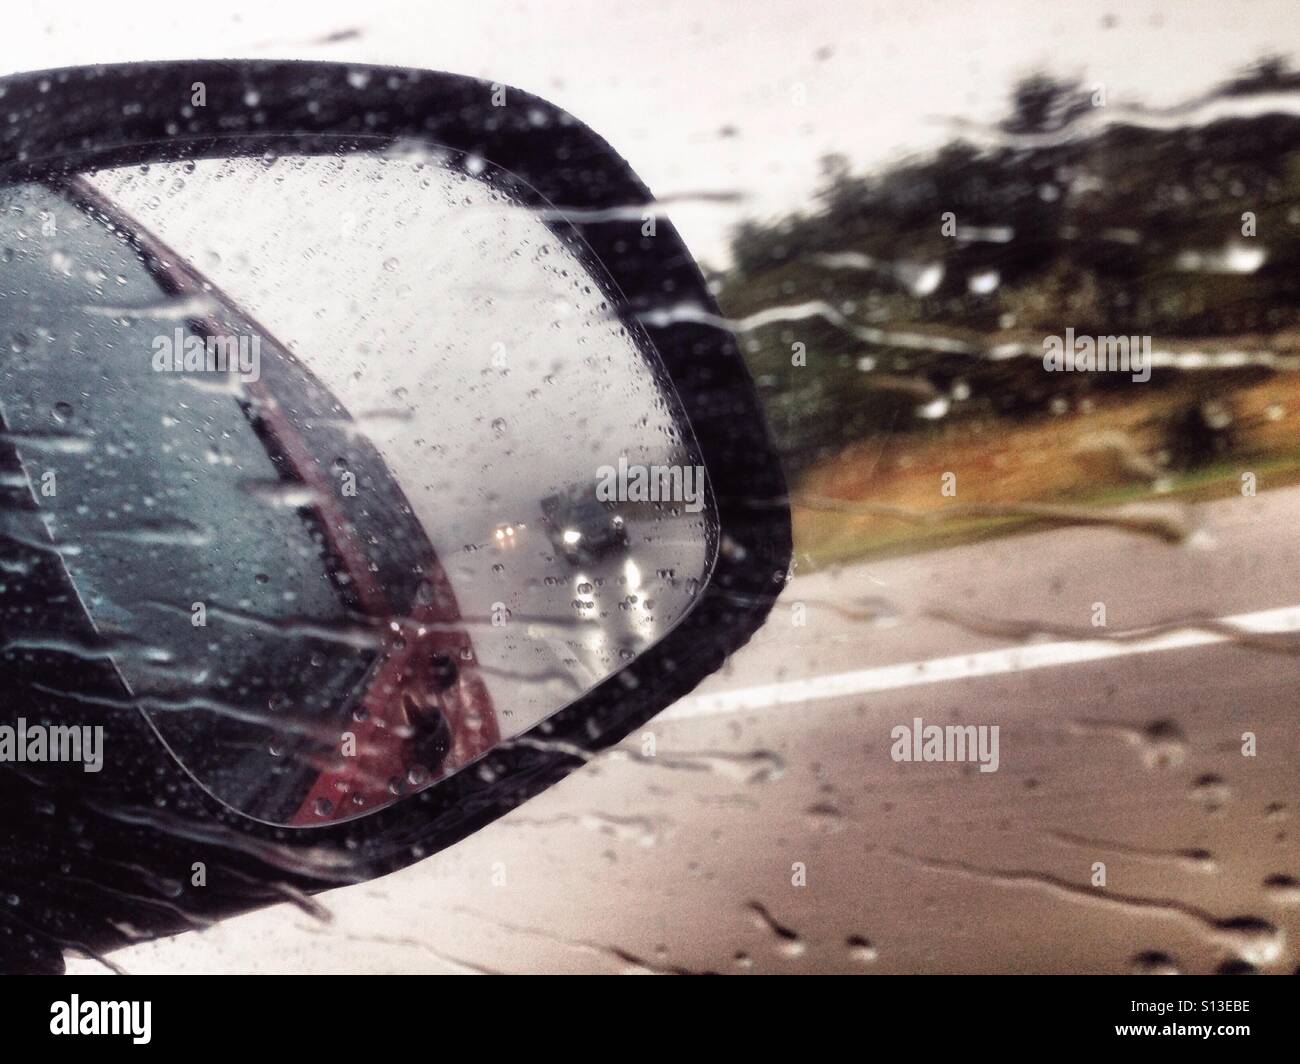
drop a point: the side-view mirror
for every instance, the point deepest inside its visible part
(372, 452)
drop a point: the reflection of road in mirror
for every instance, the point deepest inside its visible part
(410, 325)
(353, 425)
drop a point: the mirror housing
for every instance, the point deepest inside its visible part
(70, 831)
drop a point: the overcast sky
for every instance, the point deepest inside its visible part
(702, 97)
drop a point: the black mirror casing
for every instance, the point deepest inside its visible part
(98, 861)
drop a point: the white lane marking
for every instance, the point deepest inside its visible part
(969, 666)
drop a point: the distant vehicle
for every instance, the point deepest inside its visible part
(581, 526)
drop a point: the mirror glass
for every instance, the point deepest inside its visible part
(348, 458)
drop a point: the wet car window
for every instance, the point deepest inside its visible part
(1016, 286)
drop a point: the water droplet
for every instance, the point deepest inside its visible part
(861, 951)
(1282, 889)
(1153, 962)
(1210, 792)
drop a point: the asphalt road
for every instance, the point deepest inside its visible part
(1117, 751)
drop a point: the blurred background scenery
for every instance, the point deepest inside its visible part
(896, 324)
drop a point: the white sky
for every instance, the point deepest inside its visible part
(661, 80)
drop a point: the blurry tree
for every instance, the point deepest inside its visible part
(914, 274)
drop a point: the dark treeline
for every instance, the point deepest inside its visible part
(1057, 220)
